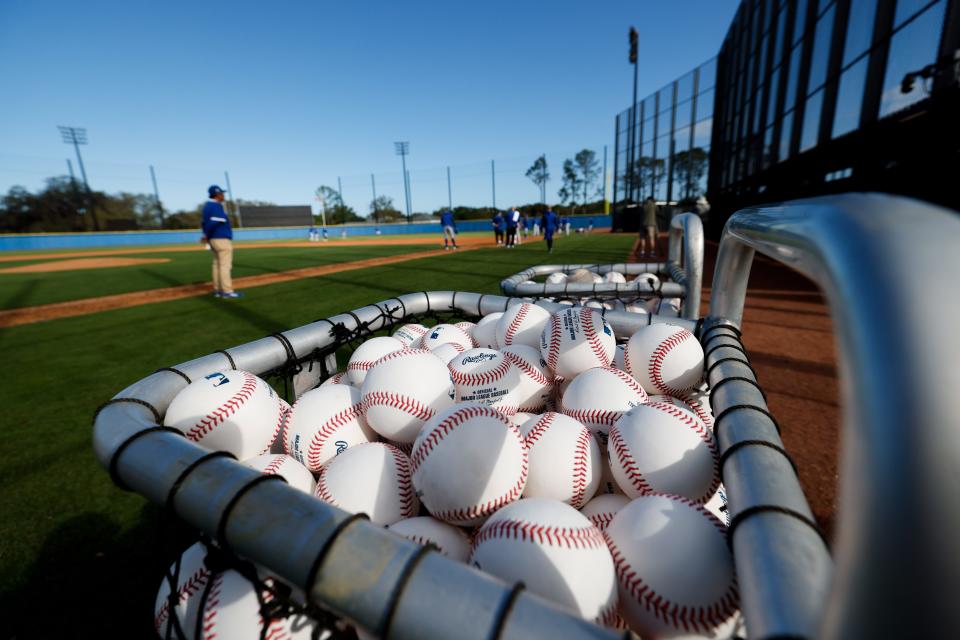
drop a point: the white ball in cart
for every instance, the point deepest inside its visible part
(410, 334)
(651, 539)
(485, 332)
(192, 580)
(564, 459)
(555, 551)
(338, 378)
(324, 423)
(556, 278)
(367, 355)
(576, 339)
(599, 396)
(485, 376)
(521, 324)
(233, 610)
(614, 277)
(535, 383)
(521, 417)
(581, 276)
(618, 357)
(468, 462)
(664, 358)
(277, 445)
(601, 510)
(467, 327)
(372, 478)
(233, 411)
(448, 351)
(287, 467)
(690, 402)
(424, 530)
(660, 448)
(403, 390)
(444, 333)
(648, 278)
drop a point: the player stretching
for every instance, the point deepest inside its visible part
(449, 230)
(549, 224)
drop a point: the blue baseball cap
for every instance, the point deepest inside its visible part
(214, 190)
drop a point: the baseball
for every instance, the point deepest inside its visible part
(485, 376)
(556, 278)
(659, 448)
(664, 359)
(277, 445)
(466, 327)
(618, 357)
(555, 551)
(717, 505)
(324, 423)
(485, 331)
(410, 334)
(674, 569)
(534, 384)
(599, 396)
(521, 324)
(608, 484)
(648, 278)
(669, 307)
(444, 333)
(233, 411)
(296, 475)
(581, 276)
(232, 610)
(371, 478)
(692, 402)
(521, 417)
(576, 339)
(367, 355)
(191, 581)
(600, 510)
(424, 530)
(403, 390)
(448, 351)
(614, 277)
(468, 462)
(564, 459)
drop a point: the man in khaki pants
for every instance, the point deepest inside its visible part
(218, 234)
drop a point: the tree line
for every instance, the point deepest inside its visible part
(63, 206)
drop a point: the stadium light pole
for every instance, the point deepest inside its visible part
(606, 203)
(78, 136)
(632, 160)
(226, 175)
(156, 194)
(402, 149)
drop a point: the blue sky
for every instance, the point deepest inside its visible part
(287, 96)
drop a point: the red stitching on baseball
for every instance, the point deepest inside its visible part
(553, 351)
(334, 422)
(274, 467)
(629, 379)
(699, 408)
(360, 365)
(655, 368)
(425, 542)
(532, 372)
(602, 520)
(691, 619)
(705, 434)
(487, 377)
(212, 605)
(563, 537)
(322, 491)
(408, 503)
(539, 428)
(627, 463)
(514, 325)
(580, 468)
(279, 431)
(406, 351)
(224, 411)
(609, 616)
(594, 416)
(590, 333)
(193, 585)
(411, 406)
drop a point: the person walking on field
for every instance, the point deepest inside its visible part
(449, 230)
(549, 224)
(648, 231)
(513, 219)
(498, 228)
(218, 235)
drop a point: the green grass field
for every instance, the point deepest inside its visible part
(80, 557)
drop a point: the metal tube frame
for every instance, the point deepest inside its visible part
(882, 263)
(684, 266)
(357, 570)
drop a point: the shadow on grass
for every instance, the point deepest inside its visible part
(93, 581)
